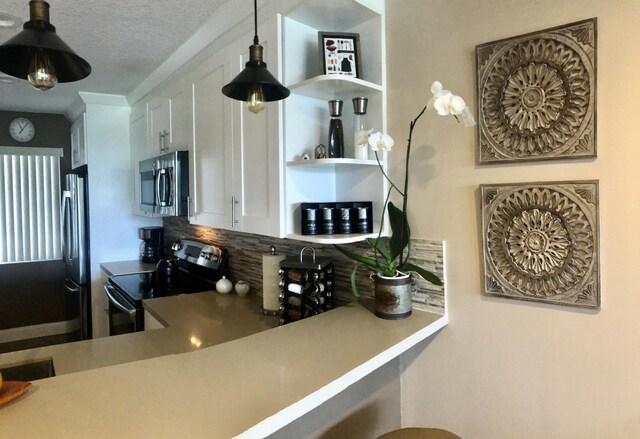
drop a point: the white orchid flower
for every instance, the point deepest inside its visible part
(362, 137)
(445, 103)
(379, 141)
(456, 105)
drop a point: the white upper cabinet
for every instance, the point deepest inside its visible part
(167, 120)
(236, 154)
(212, 158)
(257, 150)
(158, 109)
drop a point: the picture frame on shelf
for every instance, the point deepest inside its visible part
(340, 53)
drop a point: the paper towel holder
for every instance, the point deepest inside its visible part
(264, 311)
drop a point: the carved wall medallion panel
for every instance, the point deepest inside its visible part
(541, 242)
(537, 95)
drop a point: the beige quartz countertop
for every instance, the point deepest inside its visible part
(194, 321)
(249, 387)
(127, 267)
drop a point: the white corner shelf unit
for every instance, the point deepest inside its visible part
(307, 117)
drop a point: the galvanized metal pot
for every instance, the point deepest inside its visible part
(393, 296)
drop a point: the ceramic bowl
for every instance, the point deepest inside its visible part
(242, 288)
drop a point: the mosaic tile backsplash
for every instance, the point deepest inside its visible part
(246, 250)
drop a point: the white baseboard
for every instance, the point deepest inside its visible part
(35, 331)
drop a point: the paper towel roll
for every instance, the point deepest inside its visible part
(270, 281)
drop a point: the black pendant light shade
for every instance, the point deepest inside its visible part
(39, 39)
(255, 84)
(255, 72)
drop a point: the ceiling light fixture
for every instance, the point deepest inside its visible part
(39, 55)
(255, 84)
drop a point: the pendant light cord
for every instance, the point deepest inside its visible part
(255, 22)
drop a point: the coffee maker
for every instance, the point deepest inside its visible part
(152, 245)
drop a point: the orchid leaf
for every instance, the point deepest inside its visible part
(370, 263)
(400, 232)
(381, 248)
(426, 275)
(354, 287)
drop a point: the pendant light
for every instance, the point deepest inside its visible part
(39, 55)
(255, 84)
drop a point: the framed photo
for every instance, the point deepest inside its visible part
(340, 53)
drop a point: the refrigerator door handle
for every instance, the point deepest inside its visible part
(70, 287)
(66, 200)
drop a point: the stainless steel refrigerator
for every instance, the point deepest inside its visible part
(75, 253)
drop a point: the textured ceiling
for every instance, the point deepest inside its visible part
(123, 40)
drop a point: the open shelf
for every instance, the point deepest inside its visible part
(332, 162)
(332, 239)
(337, 15)
(334, 86)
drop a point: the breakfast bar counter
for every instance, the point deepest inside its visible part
(248, 387)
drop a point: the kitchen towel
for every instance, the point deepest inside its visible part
(271, 281)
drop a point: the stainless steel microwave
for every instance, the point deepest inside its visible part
(164, 184)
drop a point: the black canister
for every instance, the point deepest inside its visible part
(362, 223)
(310, 222)
(344, 223)
(327, 224)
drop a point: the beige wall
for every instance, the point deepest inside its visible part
(504, 368)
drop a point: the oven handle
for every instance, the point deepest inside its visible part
(121, 307)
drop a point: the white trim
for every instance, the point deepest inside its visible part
(36, 331)
(29, 150)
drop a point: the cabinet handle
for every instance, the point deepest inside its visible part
(161, 141)
(165, 135)
(234, 202)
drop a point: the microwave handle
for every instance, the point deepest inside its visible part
(161, 183)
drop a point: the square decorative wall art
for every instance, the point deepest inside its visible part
(537, 95)
(541, 242)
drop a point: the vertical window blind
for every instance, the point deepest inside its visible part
(29, 204)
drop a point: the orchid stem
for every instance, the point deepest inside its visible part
(386, 176)
(405, 196)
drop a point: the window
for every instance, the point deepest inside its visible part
(29, 204)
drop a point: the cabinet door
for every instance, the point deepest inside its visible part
(78, 142)
(178, 125)
(139, 149)
(211, 164)
(257, 149)
(159, 124)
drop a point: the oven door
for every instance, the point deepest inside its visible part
(124, 317)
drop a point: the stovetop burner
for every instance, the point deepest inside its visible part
(200, 265)
(148, 286)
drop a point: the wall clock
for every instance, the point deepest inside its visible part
(22, 129)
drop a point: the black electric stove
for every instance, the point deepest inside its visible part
(198, 266)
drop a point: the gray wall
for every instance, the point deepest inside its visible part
(32, 293)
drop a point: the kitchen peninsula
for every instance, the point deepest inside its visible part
(249, 387)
